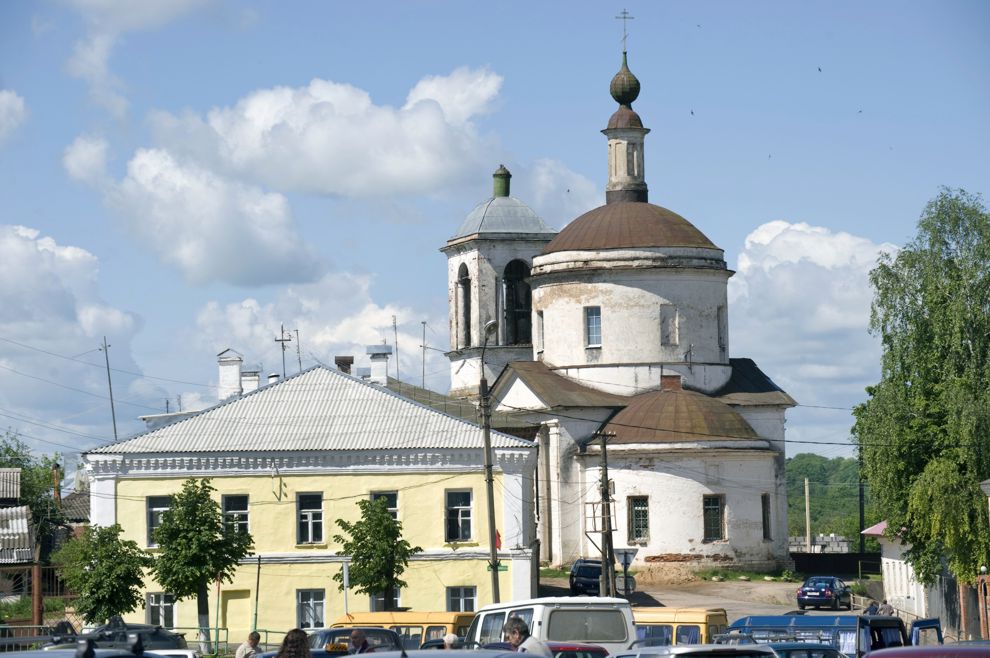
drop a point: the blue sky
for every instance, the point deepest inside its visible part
(184, 176)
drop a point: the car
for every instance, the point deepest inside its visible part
(576, 650)
(820, 591)
(84, 650)
(585, 576)
(701, 651)
(957, 650)
(804, 650)
(116, 635)
(335, 640)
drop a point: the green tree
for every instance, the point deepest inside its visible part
(834, 497)
(379, 555)
(38, 477)
(924, 431)
(197, 548)
(106, 572)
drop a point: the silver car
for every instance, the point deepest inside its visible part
(701, 651)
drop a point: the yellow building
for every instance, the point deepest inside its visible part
(291, 458)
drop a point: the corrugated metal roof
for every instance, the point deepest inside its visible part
(75, 506)
(16, 537)
(10, 483)
(460, 407)
(318, 409)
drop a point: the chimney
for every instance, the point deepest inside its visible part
(272, 377)
(670, 383)
(229, 384)
(379, 363)
(250, 379)
(344, 363)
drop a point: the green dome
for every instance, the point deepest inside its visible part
(625, 85)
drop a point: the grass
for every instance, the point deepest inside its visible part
(737, 574)
(547, 572)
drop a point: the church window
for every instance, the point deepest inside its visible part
(463, 307)
(668, 324)
(765, 504)
(518, 304)
(593, 326)
(539, 331)
(713, 510)
(639, 518)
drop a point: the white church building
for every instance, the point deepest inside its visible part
(619, 324)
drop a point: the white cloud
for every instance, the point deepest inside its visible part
(558, 193)
(335, 316)
(106, 21)
(462, 95)
(58, 309)
(85, 159)
(330, 138)
(210, 228)
(800, 306)
(13, 112)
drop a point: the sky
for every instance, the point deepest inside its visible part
(186, 176)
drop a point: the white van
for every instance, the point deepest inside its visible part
(607, 622)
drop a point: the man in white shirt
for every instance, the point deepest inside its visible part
(250, 648)
(516, 632)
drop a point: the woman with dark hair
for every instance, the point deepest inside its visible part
(295, 645)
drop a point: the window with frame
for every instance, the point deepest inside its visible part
(378, 600)
(639, 518)
(157, 506)
(461, 599)
(713, 511)
(235, 512)
(592, 326)
(539, 331)
(458, 515)
(310, 606)
(310, 506)
(765, 506)
(392, 501)
(160, 609)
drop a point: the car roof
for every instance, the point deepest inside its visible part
(933, 651)
(70, 653)
(706, 649)
(448, 653)
(575, 646)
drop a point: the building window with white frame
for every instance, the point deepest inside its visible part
(378, 600)
(160, 610)
(713, 512)
(156, 506)
(461, 599)
(592, 326)
(310, 506)
(310, 605)
(458, 515)
(235, 512)
(392, 501)
(639, 519)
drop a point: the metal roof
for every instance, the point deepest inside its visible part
(676, 416)
(504, 214)
(557, 391)
(16, 537)
(625, 225)
(750, 386)
(10, 483)
(318, 409)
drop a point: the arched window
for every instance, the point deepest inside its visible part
(463, 307)
(518, 304)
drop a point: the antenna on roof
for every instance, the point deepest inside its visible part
(298, 353)
(283, 340)
(395, 333)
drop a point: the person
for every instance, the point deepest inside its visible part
(885, 608)
(449, 640)
(295, 645)
(516, 633)
(250, 647)
(359, 643)
(871, 609)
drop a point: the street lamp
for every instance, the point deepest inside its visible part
(486, 432)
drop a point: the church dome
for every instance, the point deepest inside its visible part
(625, 225)
(670, 416)
(501, 213)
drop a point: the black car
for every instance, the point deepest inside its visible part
(824, 591)
(585, 577)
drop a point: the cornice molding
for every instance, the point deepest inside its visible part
(428, 556)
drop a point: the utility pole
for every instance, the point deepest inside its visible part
(298, 351)
(113, 413)
(424, 353)
(395, 337)
(607, 586)
(486, 435)
(807, 517)
(282, 340)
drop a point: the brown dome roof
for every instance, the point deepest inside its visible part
(626, 224)
(678, 416)
(625, 117)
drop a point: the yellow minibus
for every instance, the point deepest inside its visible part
(414, 627)
(665, 626)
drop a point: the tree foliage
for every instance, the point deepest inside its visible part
(924, 431)
(37, 482)
(833, 496)
(379, 555)
(197, 547)
(105, 571)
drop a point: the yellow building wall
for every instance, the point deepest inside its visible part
(273, 525)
